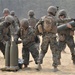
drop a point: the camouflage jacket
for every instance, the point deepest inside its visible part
(27, 36)
(54, 26)
(3, 31)
(15, 26)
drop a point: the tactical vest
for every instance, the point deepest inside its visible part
(48, 25)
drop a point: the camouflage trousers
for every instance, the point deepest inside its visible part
(31, 48)
(2, 48)
(70, 42)
(50, 39)
(37, 41)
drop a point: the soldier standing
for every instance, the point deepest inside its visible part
(9, 20)
(2, 43)
(66, 36)
(32, 22)
(27, 35)
(15, 27)
(12, 13)
(6, 12)
(47, 27)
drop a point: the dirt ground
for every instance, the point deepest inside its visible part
(66, 67)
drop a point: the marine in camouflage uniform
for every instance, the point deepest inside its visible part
(32, 22)
(66, 36)
(12, 13)
(6, 12)
(12, 31)
(27, 35)
(2, 43)
(48, 38)
(8, 22)
(15, 27)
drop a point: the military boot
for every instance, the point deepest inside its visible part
(55, 69)
(38, 66)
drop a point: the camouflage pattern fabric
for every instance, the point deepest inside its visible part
(49, 38)
(69, 40)
(28, 39)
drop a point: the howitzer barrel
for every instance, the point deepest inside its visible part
(64, 26)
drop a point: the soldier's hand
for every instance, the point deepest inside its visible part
(69, 26)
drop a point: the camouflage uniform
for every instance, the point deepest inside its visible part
(3, 36)
(49, 38)
(2, 43)
(12, 13)
(32, 22)
(2, 46)
(27, 35)
(66, 35)
(12, 31)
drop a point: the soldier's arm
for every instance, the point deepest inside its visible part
(17, 36)
(40, 22)
(65, 20)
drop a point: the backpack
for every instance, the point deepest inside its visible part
(48, 23)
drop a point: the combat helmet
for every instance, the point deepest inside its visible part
(62, 12)
(6, 10)
(24, 23)
(52, 10)
(12, 13)
(31, 13)
(9, 19)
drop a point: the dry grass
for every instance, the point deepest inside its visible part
(66, 67)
